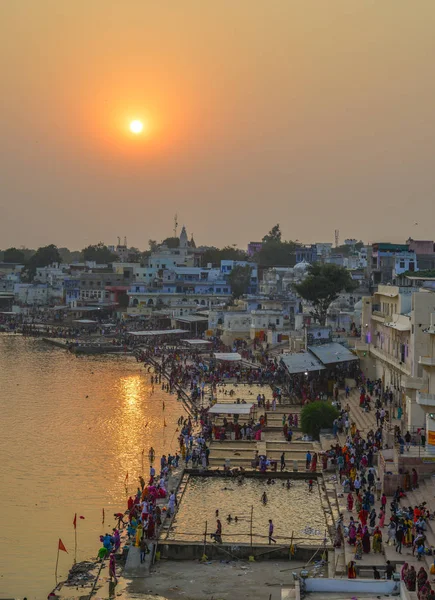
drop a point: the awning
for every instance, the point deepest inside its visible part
(399, 326)
(85, 321)
(231, 409)
(228, 356)
(301, 363)
(191, 319)
(157, 332)
(197, 342)
(332, 353)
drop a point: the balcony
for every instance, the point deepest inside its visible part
(426, 361)
(389, 359)
(379, 316)
(425, 399)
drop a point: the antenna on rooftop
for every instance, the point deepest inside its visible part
(119, 241)
(337, 237)
(125, 240)
(175, 224)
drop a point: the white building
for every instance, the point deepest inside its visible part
(394, 322)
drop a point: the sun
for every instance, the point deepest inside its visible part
(136, 127)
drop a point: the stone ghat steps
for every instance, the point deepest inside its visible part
(246, 462)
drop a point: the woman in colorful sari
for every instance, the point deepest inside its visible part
(358, 502)
(351, 572)
(408, 533)
(423, 594)
(112, 568)
(411, 578)
(404, 572)
(358, 548)
(350, 502)
(314, 463)
(352, 534)
(381, 519)
(366, 540)
(421, 578)
(377, 540)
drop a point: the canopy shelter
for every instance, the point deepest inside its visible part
(157, 332)
(333, 353)
(232, 409)
(303, 362)
(85, 321)
(197, 342)
(227, 356)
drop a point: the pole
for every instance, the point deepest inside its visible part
(252, 514)
(75, 544)
(57, 562)
(205, 539)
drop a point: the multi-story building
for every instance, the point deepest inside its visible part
(253, 248)
(393, 337)
(385, 257)
(228, 265)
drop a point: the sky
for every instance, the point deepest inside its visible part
(315, 114)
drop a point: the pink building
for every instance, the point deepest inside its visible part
(254, 247)
(420, 246)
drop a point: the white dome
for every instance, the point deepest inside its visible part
(301, 268)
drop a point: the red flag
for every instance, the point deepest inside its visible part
(81, 517)
(75, 521)
(62, 547)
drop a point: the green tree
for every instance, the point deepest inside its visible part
(172, 242)
(274, 253)
(239, 279)
(323, 285)
(99, 253)
(274, 235)
(69, 256)
(215, 255)
(153, 245)
(43, 257)
(14, 255)
(316, 416)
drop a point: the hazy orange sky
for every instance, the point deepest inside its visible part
(317, 114)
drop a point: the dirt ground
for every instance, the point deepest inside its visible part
(191, 580)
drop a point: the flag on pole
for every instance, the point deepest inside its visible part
(75, 521)
(62, 547)
(81, 517)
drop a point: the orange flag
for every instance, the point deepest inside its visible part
(75, 521)
(62, 547)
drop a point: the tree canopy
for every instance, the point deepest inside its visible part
(43, 257)
(316, 416)
(323, 285)
(239, 279)
(14, 255)
(276, 253)
(99, 253)
(274, 235)
(172, 242)
(215, 255)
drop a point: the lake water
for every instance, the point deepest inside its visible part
(71, 428)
